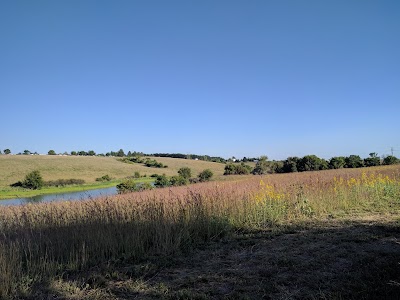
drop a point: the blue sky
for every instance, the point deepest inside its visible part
(224, 78)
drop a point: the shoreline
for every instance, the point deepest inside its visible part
(25, 193)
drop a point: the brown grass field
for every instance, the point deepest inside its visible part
(14, 167)
(312, 235)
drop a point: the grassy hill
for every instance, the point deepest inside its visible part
(14, 167)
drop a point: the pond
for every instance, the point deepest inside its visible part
(72, 196)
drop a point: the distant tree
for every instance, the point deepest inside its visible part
(33, 181)
(129, 153)
(51, 152)
(229, 169)
(162, 181)
(178, 180)
(242, 169)
(277, 166)
(205, 175)
(82, 153)
(121, 153)
(390, 160)
(311, 163)
(91, 153)
(373, 160)
(290, 164)
(262, 166)
(73, 153)
(104, 178)
(354, 161)
(27, 152)
(185, 172)
(337, 162)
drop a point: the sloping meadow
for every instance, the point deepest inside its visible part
(42, 241)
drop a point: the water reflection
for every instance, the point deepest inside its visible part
(72, 196)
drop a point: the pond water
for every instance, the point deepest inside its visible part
(72, 196)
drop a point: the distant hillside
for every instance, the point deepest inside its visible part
(88, 168)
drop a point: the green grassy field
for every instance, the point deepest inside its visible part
(14, 168)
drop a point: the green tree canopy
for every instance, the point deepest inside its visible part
(121, 153)
(185, 172)
(262, 166)
(290, 164)
(354, 161)
(33, 181)
(337, 162)
(372, 160)
(51, 152)
(390, 160)
(311, 163)
(205, 175)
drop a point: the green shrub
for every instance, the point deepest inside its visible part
(229, 169)
(136, 174)
(33, 181)
(126, 186)
(129, 185)
(178, 180)
(63, 182)
(162, 181)
(185, 172)
(205, 175)
(104, 178)
(242, 169)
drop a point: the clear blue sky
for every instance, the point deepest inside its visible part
(224, 78)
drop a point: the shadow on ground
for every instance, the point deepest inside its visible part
(336, 260)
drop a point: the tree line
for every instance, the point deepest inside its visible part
(308, 163)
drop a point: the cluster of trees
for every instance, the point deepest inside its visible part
(25, 152)
(190, 156)
(183, 178)
(237, 169)
(310, 163)
(151, 163)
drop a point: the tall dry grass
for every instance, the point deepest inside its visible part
(38, 242)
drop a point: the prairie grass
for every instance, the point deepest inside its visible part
(40, 242)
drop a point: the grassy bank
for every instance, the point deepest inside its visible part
(54, 250)
(8, 193)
